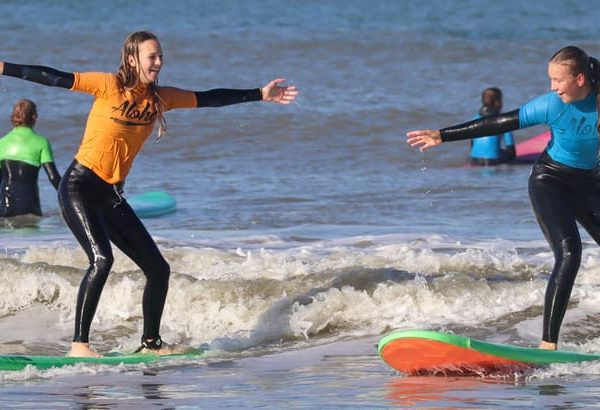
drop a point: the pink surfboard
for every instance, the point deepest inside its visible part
(530, 149)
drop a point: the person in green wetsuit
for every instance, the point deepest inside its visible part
(22, 153)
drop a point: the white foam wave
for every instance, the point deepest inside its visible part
(243, 296)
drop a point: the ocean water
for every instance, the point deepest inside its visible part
(304, 233)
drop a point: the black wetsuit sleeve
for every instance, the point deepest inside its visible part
(492, 125)
(52, 172)
(220, 97)
(40, 74)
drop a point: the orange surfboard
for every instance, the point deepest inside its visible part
(427, 352)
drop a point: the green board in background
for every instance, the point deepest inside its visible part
(152, 204)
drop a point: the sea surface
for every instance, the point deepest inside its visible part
(303, 233)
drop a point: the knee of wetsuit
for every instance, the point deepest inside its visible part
(571, 248)
(103, 263)
(164, 271)
(568, 256)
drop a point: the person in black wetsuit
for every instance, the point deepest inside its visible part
(22, 153)
(127, 105)
(564, 185)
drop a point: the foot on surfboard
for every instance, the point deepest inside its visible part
(155, 346)
(79, 349)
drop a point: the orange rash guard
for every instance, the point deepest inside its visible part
(120, 121)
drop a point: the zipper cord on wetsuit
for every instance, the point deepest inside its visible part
(116, 187)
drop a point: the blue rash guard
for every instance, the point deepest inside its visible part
(574, 139)
(490, 147)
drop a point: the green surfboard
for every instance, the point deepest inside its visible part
(20, 362)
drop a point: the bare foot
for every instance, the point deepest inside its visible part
(79, 349)
(547, 345)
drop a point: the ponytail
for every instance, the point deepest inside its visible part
(594, 76)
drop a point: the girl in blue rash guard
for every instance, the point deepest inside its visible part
(564, 185)
(492, 149)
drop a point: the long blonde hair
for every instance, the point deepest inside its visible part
(130, 78)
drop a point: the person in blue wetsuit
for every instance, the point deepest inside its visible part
(492, 149)
(564, 185)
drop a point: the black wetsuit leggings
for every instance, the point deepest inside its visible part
(562, 196)
(19, 193)
(97, 214)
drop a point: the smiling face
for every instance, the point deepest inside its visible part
(148, 62)
(568, 86)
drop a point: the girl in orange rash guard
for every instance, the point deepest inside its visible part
(126, 106)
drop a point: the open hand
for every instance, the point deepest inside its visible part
(424, 139)
(273, 92)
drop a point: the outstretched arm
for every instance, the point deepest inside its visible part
(220, 97)
(492, 125)
(38, 74)
(272, 92)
